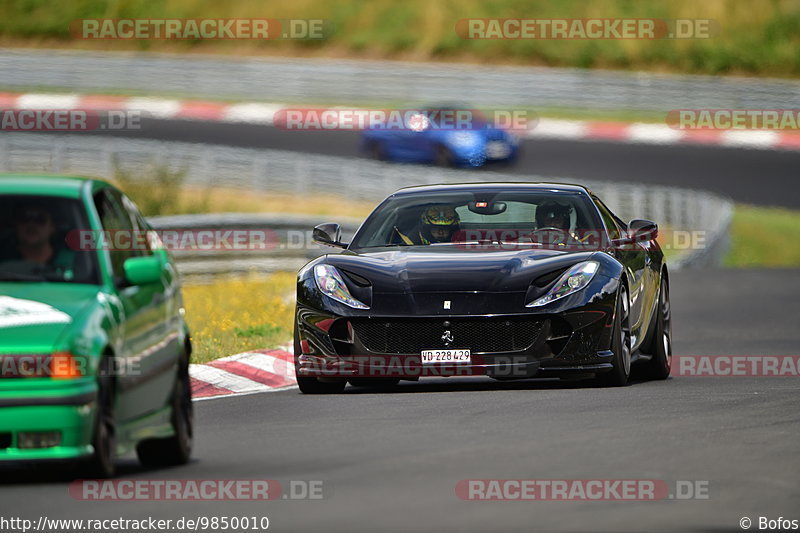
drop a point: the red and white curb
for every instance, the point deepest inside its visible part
(641, 133)
(262, 113)
(245, 373)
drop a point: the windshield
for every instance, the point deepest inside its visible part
(517, 217)
(33, 240)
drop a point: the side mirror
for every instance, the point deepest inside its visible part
(142, 270)
(329, 234)
(640, 230)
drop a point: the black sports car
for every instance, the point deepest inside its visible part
(509, 280)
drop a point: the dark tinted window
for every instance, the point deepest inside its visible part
(116, 221)
(41, 240)
(614, 226)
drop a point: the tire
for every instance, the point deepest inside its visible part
(175, 450)
(376, 151)
(620, 345)
(660, 365)
(374, 383)
(100, 464)
(443, 157)
(311, 385)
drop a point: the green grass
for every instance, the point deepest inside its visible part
(259, 330)
(230, 316)
(758, 37)
(764, 237)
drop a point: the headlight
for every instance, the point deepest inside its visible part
(573, 280)
(464, 138)
(330, 283)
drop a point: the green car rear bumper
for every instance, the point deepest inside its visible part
(37, 407)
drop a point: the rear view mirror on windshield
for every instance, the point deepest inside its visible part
(487, 208)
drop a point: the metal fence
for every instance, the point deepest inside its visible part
(364, 82)
(350, 178)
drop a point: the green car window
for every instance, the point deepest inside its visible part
(39, 240)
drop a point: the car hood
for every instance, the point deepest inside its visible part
(436, 269)
(35, 316)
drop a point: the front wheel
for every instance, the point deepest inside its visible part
(443, 157)
(101, 463)
(376, 151)
(620, 345)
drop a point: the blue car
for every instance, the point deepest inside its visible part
(429, 138)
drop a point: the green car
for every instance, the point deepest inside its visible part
(94, 349)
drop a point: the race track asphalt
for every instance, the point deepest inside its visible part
(762, 177)
(390, 461)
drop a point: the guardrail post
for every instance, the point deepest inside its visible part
(56, 156)
(5, 154)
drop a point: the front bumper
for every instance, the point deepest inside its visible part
(569, 342)
(34, 405)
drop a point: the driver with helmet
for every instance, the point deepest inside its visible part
(553, 215)
(437, 224)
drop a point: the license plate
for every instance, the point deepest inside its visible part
(497, 150)
(445, 356)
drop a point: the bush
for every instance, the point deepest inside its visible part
(159, 190)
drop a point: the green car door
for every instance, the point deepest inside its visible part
(147, 350)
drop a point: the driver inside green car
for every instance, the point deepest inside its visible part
(34, 242)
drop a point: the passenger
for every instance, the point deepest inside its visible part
(552, 215)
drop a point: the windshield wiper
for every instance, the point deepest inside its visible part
(392, 245)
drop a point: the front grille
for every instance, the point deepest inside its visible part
(481, 335)
(5, 441)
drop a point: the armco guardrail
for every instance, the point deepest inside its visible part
(289, 239)
(350, 178)
(357, 82)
